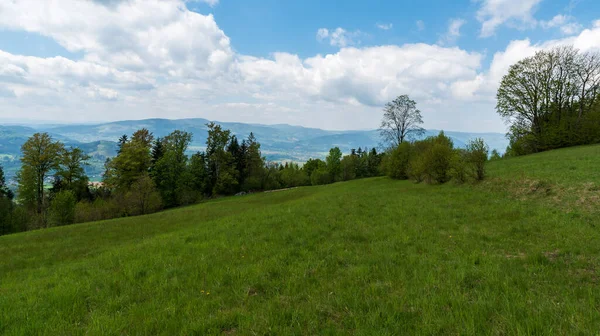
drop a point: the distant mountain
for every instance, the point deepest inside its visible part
(278, 142)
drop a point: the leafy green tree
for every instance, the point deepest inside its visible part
(122, 141)
(401, 120)
(222, 172)
(62, 208)
(313, 164)
(71, 175)
(334, 166)
(40, 156)
(157, 152)
(199, 173)
(348, 167)
(6, 205)
(4, 190)
(254, 170)
(169, 172)
(133, 161)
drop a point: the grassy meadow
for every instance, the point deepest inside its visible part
(518, 254)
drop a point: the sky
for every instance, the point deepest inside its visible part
(327, 64)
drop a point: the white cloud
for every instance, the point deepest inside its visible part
(170, 62)
(339, 37)
(384, 26)
(453, 32)
(494, 13)
(132, 35)
(566, 24)
(420, 25)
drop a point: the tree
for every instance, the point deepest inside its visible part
(253, 171)
(223, 175)
(312, 165)
(6, 206)
(40, 156)
(349, 165)
(199, 173)
(401, 120)
(157, 152)
(333, 161)
(169, 171)
(70, 174)
(133, 161)
(122, 141)
(4, 190)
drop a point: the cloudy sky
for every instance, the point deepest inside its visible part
(328, 64)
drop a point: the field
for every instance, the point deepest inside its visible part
(516, 255)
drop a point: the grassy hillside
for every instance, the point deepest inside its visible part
(371, 256)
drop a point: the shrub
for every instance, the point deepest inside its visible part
(62, 208)
(143, 198)
(477, 154)
(432, 159)
(396, 163)
(320, 176)
(459, 170)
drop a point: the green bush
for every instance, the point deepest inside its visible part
(432, 159)
(477, 156)
(62, 209)
(396, 162)
(320, 176)
(459, 170)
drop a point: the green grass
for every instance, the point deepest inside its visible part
(367, 257)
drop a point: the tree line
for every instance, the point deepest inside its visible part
(149, 174)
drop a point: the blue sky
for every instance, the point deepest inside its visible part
(329, 64)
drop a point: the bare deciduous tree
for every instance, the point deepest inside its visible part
(401, 120)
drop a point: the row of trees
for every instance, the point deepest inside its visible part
(551, 100)
(149, 174)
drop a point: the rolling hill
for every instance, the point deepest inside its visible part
(514, 255)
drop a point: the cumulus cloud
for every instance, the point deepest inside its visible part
(453, 32)
(132, 35)
(339, 37)
(494, 13)
(156, 58)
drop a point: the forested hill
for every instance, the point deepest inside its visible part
(278, 142)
